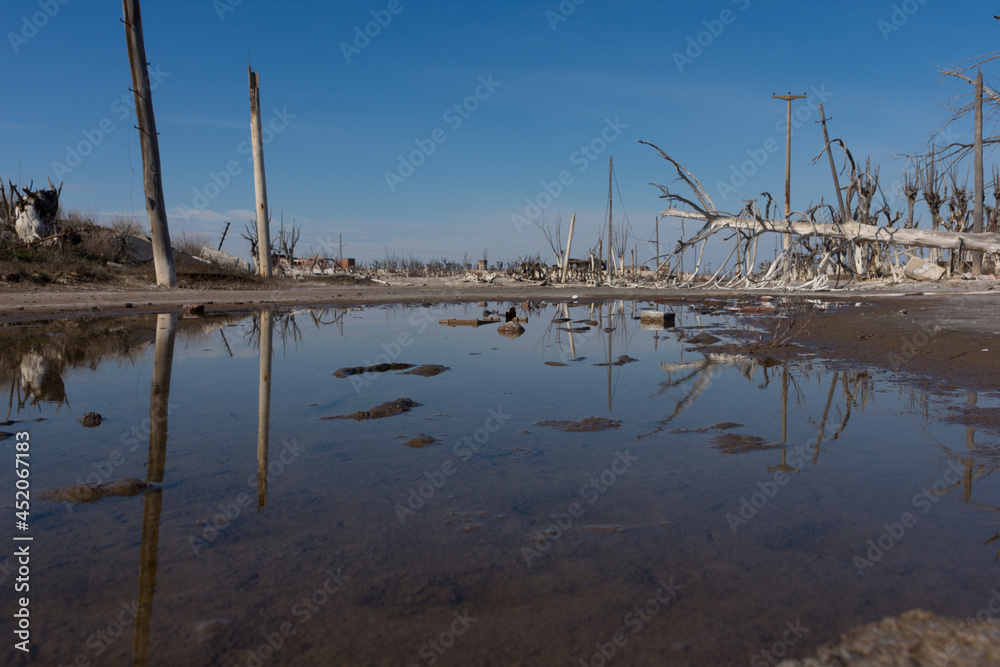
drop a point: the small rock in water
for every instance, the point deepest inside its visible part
(211, 628)
(510, 330)
(91, 420)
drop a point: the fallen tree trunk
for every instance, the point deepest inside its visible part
(850, 231)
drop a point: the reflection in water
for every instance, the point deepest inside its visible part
(159, 399)
(264, 405)
(408, 579)
(41, 380)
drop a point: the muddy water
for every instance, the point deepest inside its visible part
(700, 510)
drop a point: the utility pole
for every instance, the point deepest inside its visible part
(163, 254)
(977, 211)
(611, 168)
(788, 170)
(224, 232)
(833, 167)
(260, 185)
(569, 244)
(657, 244)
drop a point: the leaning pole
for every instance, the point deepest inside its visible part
(163, 256)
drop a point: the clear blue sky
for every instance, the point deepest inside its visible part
(556, 77)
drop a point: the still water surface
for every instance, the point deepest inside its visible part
(733, 513)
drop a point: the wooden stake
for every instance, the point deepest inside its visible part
(163, 255)
(260, 185)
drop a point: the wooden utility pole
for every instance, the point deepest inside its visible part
(600, 254)
(569, 244)
(977, 210)
(260, 186)
(788, 173)
(611, 169)
(657, 244)
(833, 167)
(163, 255)
(224, 232)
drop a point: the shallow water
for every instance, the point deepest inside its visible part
(506, 542)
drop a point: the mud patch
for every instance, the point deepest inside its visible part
(602, 528)
(377, 368)
(421, 441)
(88, 493)
(390, 409)
(555, 363)
(471, 521)
(914, 637)
(734, 443)
(702, 339)
(588, 425)
(721, 426)
(621, 361)
(428, 370)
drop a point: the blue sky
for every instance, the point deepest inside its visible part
(535, 83)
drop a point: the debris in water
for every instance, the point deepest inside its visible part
(89, 493)
(590, 424)
(734, 443)
(721, 426)
(428, 370)
(555, 363)
(377, 368)
(390, 409)
(622, 360)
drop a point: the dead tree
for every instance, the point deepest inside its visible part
(749, 224)
(911, 190)
(930, 184)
